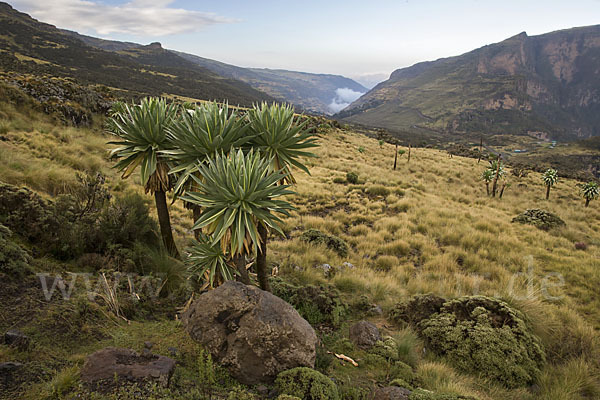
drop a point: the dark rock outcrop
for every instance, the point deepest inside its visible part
(252, 333)
(124, 364)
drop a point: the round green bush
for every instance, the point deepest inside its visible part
(307, 384)
(352, 178)
(486, 337)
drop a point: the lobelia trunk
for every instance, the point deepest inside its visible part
(240, 265)
(196, 212)
(261, 259)
(487, 188)
(396, 157)
(164, 221)
(587, 202)
(547, 192)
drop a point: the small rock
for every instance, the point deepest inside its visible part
(327, 269)
(107, 364)
(6, 371)
(172, 351)
(16, 339)
(148, 345)
(348, 265)
(364, 334)
(375, 311)
(262, 390)
(580, 246)
(391, 393)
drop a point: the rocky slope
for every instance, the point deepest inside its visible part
(546, 85)
(32, 47)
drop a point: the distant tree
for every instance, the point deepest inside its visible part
(361, 149)
(381, 143)
(589, 191)
(281, 138)
(487, 176)
(550, 177)
(498, 172)
(141, 138)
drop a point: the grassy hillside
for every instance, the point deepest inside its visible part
(427, 227)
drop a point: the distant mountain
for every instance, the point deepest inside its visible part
(311, 92)
(30, 46)
(545, 86)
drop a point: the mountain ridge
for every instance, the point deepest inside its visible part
(313, 92)
(546, 83)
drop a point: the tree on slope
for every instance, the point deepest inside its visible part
(141, 138)
(550, 177)
(239, 193)
(200, 133)
(280, 138)
(589, 191)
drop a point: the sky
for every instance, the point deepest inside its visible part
(365, 40)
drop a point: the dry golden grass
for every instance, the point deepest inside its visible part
(426, 227)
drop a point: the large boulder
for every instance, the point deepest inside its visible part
(115, 364)
(364, 334)
(252, 333)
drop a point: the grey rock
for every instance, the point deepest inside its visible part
(391, 393)
(126, 364)
(364, 334)
(17, 339)
(327, 269)
(252, 333)
(347, 265)
(148, 345)
(375, 311)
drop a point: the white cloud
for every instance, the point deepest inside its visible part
(137, 17)
(343, 98)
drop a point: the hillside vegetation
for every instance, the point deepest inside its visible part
(385, 235)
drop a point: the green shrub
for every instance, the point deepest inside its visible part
(83, 222)
(306, 383)
(486, 337)
(316, 304)
(541, 219)
(287, 397)
(352, 177)
(386, 348)
(14, 260)
(315, 236)
(401, 383)
(422, 394)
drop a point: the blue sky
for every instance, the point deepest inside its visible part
(353, 38)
